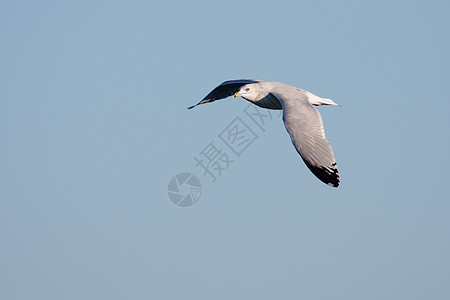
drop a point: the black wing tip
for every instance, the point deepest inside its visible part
(334, 184)
(205, 100)
(330, 176)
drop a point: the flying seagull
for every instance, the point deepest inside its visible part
(301, 119)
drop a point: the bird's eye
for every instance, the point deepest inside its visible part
(247, 89)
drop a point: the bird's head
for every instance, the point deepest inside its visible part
(249, 91)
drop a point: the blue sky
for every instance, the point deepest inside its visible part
(93, 126)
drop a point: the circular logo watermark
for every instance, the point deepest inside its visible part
(184, 189)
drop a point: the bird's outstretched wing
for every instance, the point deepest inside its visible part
(305, 127)
(225, 89)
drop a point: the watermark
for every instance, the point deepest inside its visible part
(221, 153)
(213, 161)
(184, 189)
(238, 136)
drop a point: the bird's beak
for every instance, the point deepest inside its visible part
(237, 94)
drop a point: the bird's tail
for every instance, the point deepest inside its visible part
(326, 101)
(316, 100)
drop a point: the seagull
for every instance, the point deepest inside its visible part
(302, 120)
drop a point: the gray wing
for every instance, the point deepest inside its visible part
(225, 89)
(305, 127)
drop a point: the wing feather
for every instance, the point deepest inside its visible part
(224, 90)
(305, 127)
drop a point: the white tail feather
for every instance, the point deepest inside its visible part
(316, 100)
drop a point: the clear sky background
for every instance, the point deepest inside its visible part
(93, 125)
